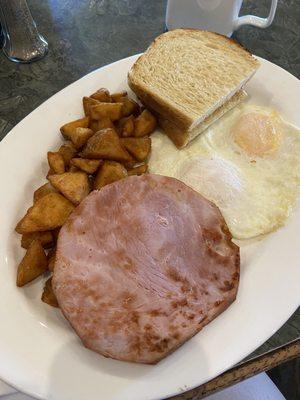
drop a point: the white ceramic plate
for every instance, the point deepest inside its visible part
(39, 352)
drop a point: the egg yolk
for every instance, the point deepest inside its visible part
(257, 134)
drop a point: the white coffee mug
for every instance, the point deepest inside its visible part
(220, 16)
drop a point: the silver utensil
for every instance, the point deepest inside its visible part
(21, 40)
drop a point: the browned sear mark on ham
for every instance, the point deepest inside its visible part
(179, 303)
(227, 286)
(174, 275)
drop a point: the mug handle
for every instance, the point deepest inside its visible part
(257, 21)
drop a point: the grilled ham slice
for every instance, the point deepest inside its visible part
(142, 265)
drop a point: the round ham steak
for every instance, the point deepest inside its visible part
(142, 265)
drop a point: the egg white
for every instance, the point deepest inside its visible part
(255, 193)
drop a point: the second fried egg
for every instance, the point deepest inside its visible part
(247, 163)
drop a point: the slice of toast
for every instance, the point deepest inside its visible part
(186, 75)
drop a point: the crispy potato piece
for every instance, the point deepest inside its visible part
(106, 145)
(129, 107)
(45, 238)
(126, 126)
(144, 124)
(87, 102)
(68, 151)
(102, 95)
(50, 172)
(47, 213)
(80, 136)
(93, 125)
(140, 170)
(110, 171)
(113, 111)
(68, 128)
(48, 295)
(139, 148)
(73, 185)
(117, 96)
(56, 162)
(51, 259)
(34, 264)
(73, 169)
(103, 123)
(86, 165)
(42, 191)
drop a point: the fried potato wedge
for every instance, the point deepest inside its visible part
(93, 125)
(47, 213)
(86, 165)
(144, 124)
(73, 169)
(45, 238)
(103, 123)
(139, 148)
(110, 171)
(42, 191)
(87, 102)
(34, 264)
(102, 95)
(140, 170)
(118, 95)
(106, 145)
(129, 106)
(80, 136)
(68, 128)
(68, 151)
(126, 126)
(48, 295)
(51, 259)
(56, 162)
(73, 185)
(113, 111)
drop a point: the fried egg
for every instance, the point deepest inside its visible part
(247, 163)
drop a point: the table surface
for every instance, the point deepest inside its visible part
(84, 35)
